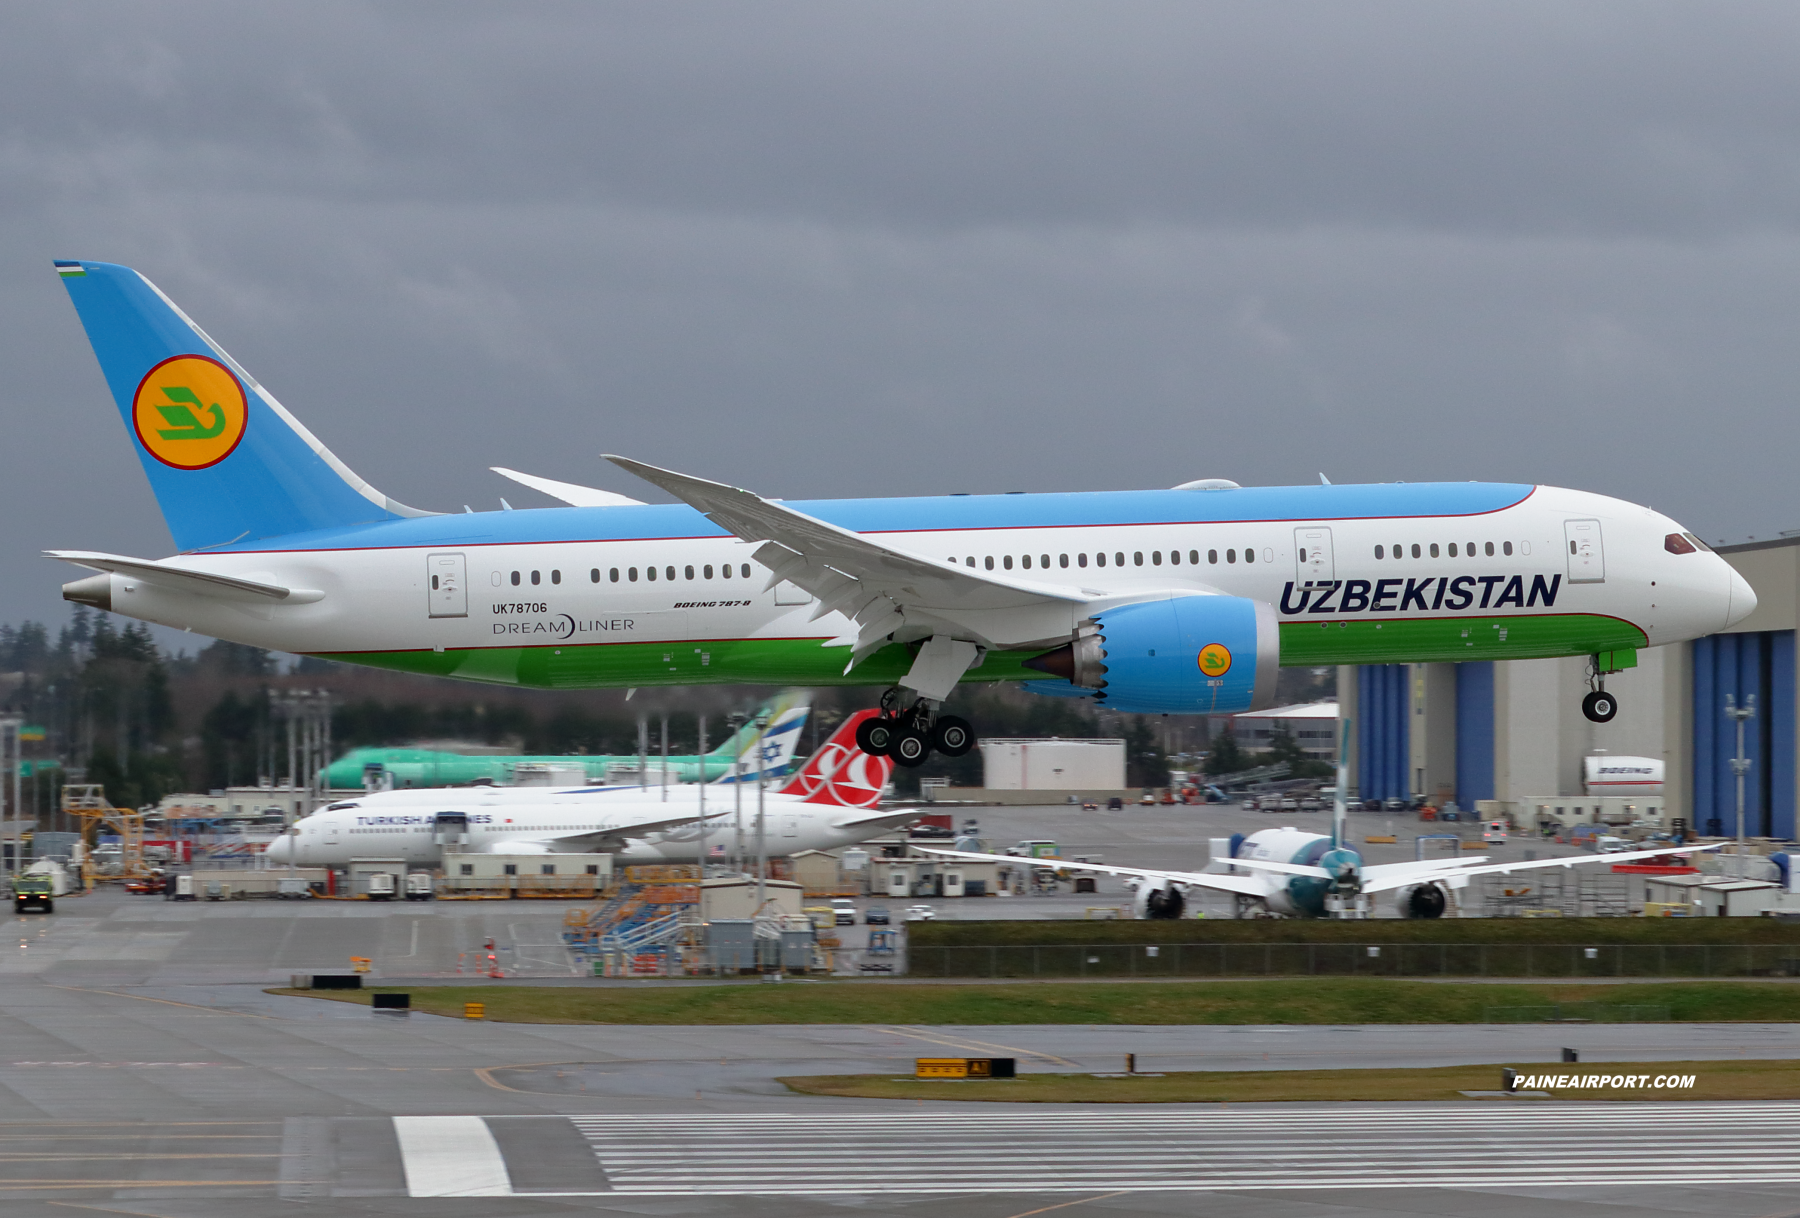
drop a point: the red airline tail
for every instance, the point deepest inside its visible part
(840, 773)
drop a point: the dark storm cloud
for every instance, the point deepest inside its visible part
(862, 248)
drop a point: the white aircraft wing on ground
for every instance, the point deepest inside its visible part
(1247, 885)
(1385, 876)
(592, 841)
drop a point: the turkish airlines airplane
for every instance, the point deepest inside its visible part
(830, 802)
(1182, 601)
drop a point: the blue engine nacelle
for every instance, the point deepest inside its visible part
(1186, 655)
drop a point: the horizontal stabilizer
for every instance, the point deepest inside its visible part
(184, 579)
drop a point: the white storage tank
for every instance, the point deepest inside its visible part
(1053, 765)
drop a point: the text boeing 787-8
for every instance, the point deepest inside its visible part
(1180, 601)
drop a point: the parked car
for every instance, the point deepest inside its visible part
(877, 915)
(843, 911)
(1312, 803)
(1115, 804)
(1290, 805)
(1393, 805)
(920, 913)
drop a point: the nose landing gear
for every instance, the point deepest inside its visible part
(1600, 706)
(911, 734)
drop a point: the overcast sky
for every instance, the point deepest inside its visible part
(896, 248)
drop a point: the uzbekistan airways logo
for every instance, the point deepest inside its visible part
(189, 412)
(1215, 660)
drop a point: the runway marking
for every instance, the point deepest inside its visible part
(168, 1002)
(451, 1156)
(1189, 1150)
(982, 1046)
(1063, 1205)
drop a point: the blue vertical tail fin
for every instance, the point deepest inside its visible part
(225, 460)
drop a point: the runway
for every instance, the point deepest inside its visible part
(155, 1087)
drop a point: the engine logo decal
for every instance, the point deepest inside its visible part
(1215, 660)
(189, 412)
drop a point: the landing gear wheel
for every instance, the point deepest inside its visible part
(909, 747)
(952, 736)
(873, 736)
(1600, 706)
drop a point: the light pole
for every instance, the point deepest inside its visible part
(736, 720)
(701, 746)
(762, 841)
(1740, 765)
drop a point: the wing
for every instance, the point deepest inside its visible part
(880, 588)
(569, 492)
(1385, 876)
(1249, 885)
(613, 837)
(182, 579)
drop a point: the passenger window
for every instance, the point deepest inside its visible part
(1434, 549)
(1026, 562)
(1007, 562)
(1174, 558)
(970, 561)
(746, 570)
(1249, 555)
(725, 570)
(706, 571)
(1081, 560)
(1137, 558)
(687, 572)
(1100, 559)
(650, 573)
(632, 575)
(1506, 548)
(669, 572)
(614, 573)
(515, 579)
(1231, 556)
(1490, 549)
(1453, 549)
(990, 562)
(594, 576)
(556, 577)
(1212, 556)
(1194, 557)
(1044, 561)
(1118, 560)
(1062, 560)
(535, 580)
(1415, 550)
(1377, 554)
(1469, 549)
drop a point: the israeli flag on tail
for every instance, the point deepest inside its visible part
(775, 745)
(226, 461)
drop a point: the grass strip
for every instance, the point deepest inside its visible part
(1284, 1001)
(1579, 932)
(1714, 1080)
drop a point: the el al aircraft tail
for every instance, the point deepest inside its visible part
(226, 461)
(787, 713)
(840, 773)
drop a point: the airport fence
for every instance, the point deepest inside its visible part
(1548, 960)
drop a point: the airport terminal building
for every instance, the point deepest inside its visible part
(1513, 731)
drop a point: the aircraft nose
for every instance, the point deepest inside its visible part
(1742, 599)
(280, 850)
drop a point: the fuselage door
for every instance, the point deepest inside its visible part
(1312, 555)
(448, 591)
(1587, 556)
(331, 831)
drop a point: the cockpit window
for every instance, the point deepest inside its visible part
(1698, 543)
(1678, 543)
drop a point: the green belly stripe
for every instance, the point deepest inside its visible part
(1434, 640)
(618, 665)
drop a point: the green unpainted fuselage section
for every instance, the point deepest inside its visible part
(805, 662)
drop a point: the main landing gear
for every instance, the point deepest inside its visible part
(910, 735)
(1599, 706)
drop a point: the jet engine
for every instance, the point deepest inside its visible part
(1158, 901)
(1422, 901)
(1183, 655)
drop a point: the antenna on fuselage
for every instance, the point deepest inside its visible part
(1339, 802)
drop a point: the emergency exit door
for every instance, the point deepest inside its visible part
(1587, 554)
(448, 592)
(1312, 555)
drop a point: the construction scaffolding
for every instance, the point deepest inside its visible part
(88, 805)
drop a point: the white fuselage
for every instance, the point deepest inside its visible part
(376, 600)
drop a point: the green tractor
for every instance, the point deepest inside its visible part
(33, 892)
